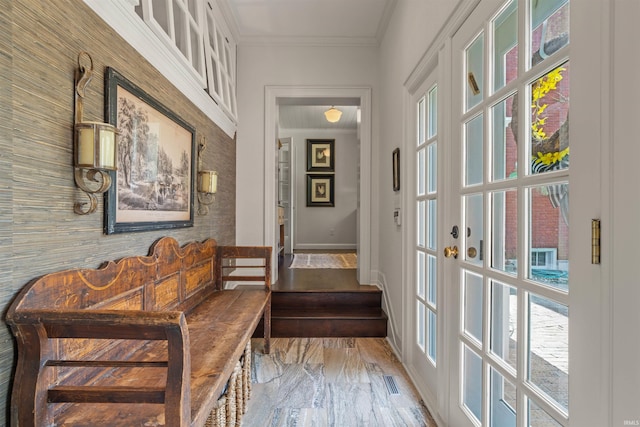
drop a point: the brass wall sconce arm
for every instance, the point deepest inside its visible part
(95, 144)
(207, 184)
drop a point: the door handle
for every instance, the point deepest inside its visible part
(451, 251)
(472, 252)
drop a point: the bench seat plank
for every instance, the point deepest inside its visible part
(234, 326)
(218, 327)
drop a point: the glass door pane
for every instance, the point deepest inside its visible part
(502, 400)
(474, 223)
(504, 148)
(548, 249)
(512, 308)
(474, 55)
(472, 383)
(548, 349)
(504, 236)
(550, 121)
(505, 53)
(472, 306)
(474, 151)
(504, 324)
(548, 29)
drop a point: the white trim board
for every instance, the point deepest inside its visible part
(272, 94)
(121, 16)
(325, 246)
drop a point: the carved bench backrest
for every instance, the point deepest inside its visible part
(167, 279)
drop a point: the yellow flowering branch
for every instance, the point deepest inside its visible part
(551, 158)
(539, 90)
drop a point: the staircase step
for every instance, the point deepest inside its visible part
(329, 313)
(358, 322)
(325, 299)
(326, 310)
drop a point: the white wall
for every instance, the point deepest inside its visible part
(625, 201)
(412, 29)
(326, 227)
(260, 66)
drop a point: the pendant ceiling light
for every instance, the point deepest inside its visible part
(333, 114)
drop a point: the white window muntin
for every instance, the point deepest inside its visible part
(173, 21)
(220, 58)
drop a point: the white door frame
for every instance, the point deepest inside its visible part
(272, 93)
(437, 59)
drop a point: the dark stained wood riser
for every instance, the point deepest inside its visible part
(370, 297)
(328, 313)
(366, 325)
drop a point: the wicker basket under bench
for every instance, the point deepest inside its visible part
(145, 341)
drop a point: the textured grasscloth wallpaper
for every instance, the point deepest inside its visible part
(39, 232)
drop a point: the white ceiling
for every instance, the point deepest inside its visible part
(312, 117)
(310, 22)
(324, 22)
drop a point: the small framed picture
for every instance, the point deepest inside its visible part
(396, 169)
(320, 190)
(320, 155)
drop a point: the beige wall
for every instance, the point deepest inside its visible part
(326, 227)
(39, 232)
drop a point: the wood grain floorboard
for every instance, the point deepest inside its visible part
(331, 382)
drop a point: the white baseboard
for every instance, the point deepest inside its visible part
(392, 331)
(324, 246)
(428, 399)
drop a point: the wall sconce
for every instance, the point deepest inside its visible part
(333, 114)
(95, 145)
(207, 182)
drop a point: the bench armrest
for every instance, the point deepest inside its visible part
(254, 261)
(33, 328)
(115, 324)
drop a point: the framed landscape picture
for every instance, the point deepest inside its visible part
(153, 187)
(320, 190)
(320, 155)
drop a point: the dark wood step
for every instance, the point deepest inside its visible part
(329, 313)
(330, 322)
(325, 303)
(326, 299)
(327, 322)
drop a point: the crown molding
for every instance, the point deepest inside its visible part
(308, 41)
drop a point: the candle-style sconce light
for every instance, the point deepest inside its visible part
(95, 144)
(207, 182)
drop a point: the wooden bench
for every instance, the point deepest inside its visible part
(143, 341)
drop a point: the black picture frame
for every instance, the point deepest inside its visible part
(320, 190)
(153, 187)
(396, 169)
(321, 155)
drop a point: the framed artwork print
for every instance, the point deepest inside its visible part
(396, 169)
(320, 155)
(153, 187)
(320, 190)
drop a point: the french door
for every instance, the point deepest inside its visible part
(507, 255)
(426, 299)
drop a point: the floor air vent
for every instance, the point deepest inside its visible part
(392, 387)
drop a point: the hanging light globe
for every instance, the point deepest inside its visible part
(333, 114)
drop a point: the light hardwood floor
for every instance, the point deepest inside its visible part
(336, 382)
